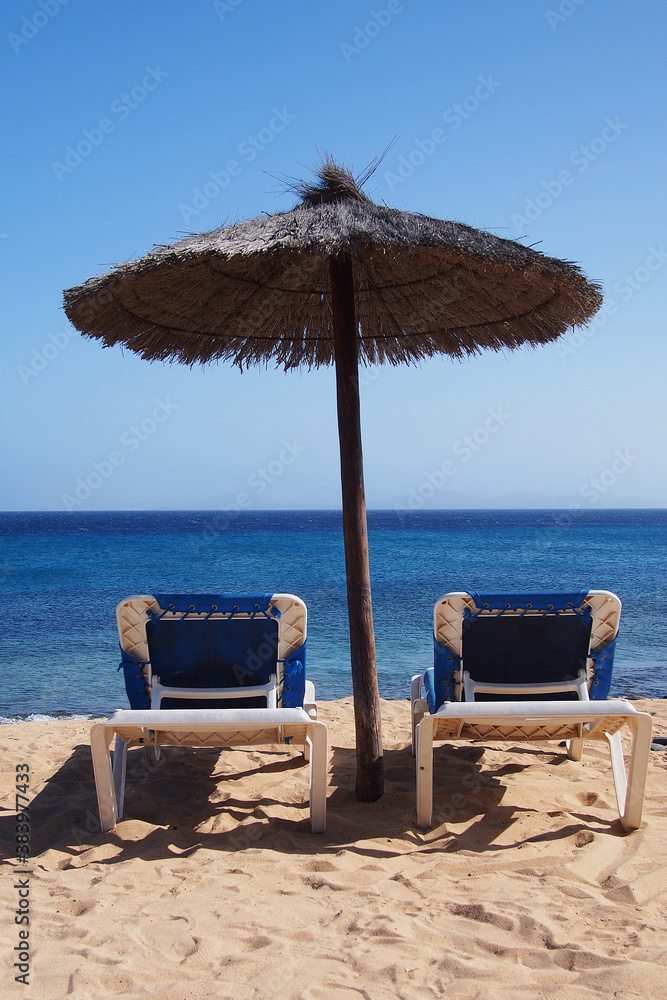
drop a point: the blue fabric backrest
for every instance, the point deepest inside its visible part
(294, 674)
(528, 649)
(135, 682)
(213, 652)
(441, 680)
(602, 671)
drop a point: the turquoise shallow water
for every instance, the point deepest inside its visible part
(61, 576)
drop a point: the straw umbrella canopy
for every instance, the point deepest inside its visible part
(337, 280)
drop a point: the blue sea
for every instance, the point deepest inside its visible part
(61, 576)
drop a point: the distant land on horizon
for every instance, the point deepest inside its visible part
(519, 500)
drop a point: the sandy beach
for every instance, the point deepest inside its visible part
(212, 886)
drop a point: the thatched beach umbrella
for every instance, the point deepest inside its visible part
(336, 280)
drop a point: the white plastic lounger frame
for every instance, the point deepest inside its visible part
(208, 727)
(132, 615)
(530, 720)
(160, 691)
(514, 720)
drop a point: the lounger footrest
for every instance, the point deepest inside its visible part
(524, 721)
(528, 721)
(207, 728)
(228, 737)
(458, 729)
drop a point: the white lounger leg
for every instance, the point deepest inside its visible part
(424, 749)
(119, 770)
(418, 706)
(309, 703)
(618, 770)
(317, 776)
(419, 710)
(104, 783)
(310, 706)
(630, 789)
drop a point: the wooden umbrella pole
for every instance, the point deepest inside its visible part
(370, 777)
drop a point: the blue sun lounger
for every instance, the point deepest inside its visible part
(215, 671)
(517, 667)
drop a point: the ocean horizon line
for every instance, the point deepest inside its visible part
(324, 510)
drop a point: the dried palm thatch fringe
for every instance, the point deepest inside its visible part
(259, 291)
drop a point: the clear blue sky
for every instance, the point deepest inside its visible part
(550, 121)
